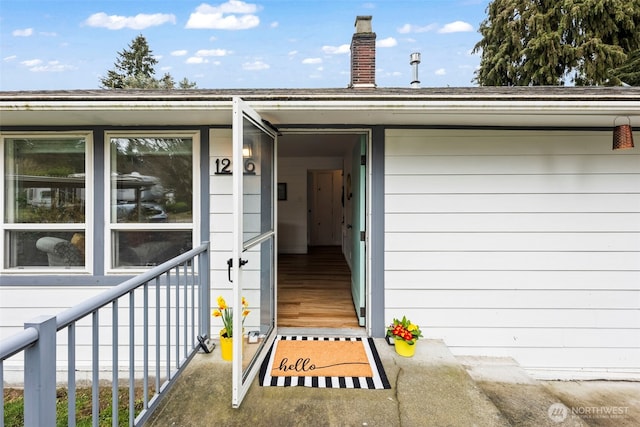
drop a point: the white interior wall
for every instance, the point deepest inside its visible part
(517, 243)
(292, 213)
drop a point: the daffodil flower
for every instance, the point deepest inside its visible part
(226, 313)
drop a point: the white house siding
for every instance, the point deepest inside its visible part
(27, 303)
(220, 220)
(517, 243)
(221, 233)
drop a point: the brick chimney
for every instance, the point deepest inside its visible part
(363, 55)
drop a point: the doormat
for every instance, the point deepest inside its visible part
(344, 362)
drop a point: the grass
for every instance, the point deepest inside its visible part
(14, 406)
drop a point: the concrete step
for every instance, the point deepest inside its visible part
(525, 401)
(433, 388)
(520, 398)
(430, 389)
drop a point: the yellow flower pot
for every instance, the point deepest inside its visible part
(403, 348)
(226, 346)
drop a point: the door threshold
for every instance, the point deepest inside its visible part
(336, 332)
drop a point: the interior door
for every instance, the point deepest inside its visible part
(253, 263)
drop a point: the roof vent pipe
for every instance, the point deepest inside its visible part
(414, 61)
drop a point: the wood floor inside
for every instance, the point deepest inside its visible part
(314, 290)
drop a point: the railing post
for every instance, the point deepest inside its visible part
(205, 295)
(40, 374)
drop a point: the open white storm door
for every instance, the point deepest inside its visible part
(253, 266)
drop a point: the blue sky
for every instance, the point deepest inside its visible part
(65, 44)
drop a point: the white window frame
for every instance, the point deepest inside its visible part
(110, 227)
(86, 227)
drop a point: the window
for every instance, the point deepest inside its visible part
(151, 206)
(45, 200)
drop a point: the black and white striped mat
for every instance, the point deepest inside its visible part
(377, 381)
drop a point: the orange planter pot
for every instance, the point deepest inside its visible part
(403, 348)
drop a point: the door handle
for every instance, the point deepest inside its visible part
(230, 264)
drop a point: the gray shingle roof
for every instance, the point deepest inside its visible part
(539, 93)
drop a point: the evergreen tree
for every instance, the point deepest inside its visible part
(629, 72)
(134, 69)
(550, 42)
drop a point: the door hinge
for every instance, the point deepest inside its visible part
(363, 236)
(363, 160)
(271, 126)
(363, 312)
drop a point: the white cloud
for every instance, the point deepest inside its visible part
(408, 28)
(312, 61)
(196, 60)
(51, 67)
(336, 50)
(456, 27)
(232, 15)
(9, 58)
(388, 42)
(275, 24)
(138, 22)
(293, 53)
(440, 72)
(181, 52)
(213, 52)
(255, 66)
(31, 62)
(26, 32)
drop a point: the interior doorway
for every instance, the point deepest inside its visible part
(325, 207)
(321, 283)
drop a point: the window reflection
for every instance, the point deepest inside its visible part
(45, 183)
(148, 248)
(151, 185)
(151, 180)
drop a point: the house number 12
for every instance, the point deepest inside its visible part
(223, 167)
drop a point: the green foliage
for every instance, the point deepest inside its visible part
(14, 406)
(552, 42)
(59, 170)
(629, 72)
(135, 69)
(178, 207)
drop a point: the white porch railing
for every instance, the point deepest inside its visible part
(167, 311)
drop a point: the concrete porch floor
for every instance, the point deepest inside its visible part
(434, 388)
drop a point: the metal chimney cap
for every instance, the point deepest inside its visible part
(415, 57)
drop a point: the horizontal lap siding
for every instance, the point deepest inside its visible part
(221, 231)
(517, 243)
